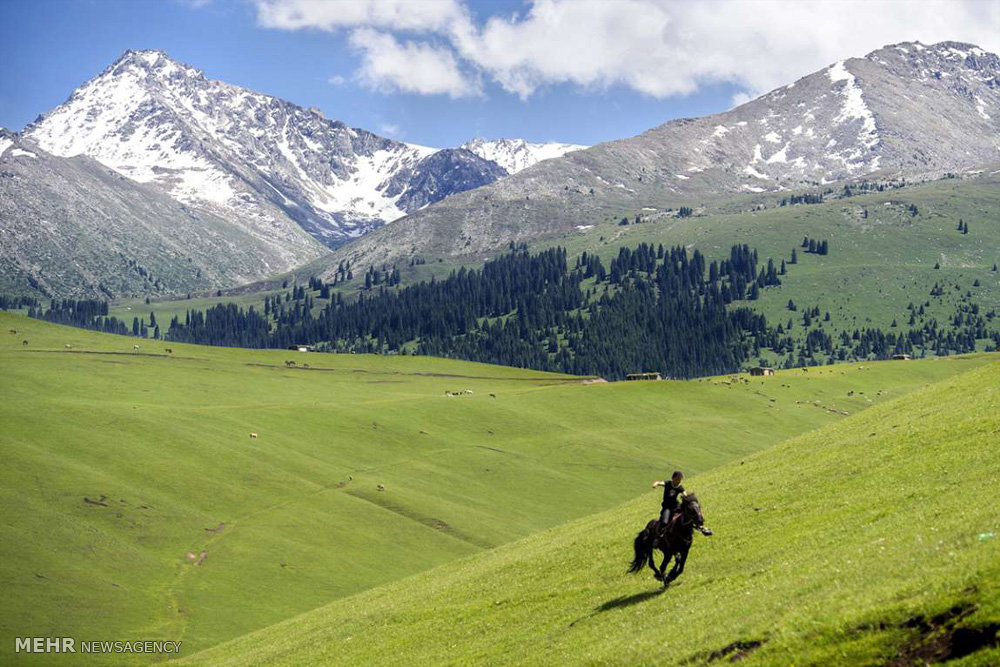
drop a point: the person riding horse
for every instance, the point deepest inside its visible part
(671, 533)
(673, 492)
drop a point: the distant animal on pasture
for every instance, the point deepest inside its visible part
(24, 342)
(68, 346)
(468, 391)
(135, 348)
(253, 436)
(13, 331)
(289, 364)
(674, 541)
(380, 487)
(168, 351)
(493, 395)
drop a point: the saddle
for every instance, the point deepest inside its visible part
(665, 528)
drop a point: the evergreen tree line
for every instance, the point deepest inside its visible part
(650, 309)
(83, 313)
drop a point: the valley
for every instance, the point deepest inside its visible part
(147, 460)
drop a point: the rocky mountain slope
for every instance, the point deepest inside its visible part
(906, 110)
(73, 227)
(515, 155)
(247, 157)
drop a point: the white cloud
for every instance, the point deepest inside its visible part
(414, 15)
(410, 67)
(336, 80)
(389, 130)
(741, 97)
(657, 47)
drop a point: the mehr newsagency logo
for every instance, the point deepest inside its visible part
(71, 645)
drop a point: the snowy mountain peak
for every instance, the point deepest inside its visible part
(517, 154)
(244, 154)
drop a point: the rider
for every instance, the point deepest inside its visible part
(673, 492)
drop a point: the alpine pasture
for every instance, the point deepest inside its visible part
(871, 541)
(137, 504)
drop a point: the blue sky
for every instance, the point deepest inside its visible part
(439, 72)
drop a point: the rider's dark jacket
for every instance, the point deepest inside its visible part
(671, 496)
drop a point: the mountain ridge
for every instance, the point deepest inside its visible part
(216, 145)
(904, 111)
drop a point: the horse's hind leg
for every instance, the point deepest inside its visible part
(658, 574)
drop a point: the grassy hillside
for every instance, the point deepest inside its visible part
(887, 250)
(876, 266)
(136, 505)
(870, 541)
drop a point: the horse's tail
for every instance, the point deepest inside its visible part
(643, 551)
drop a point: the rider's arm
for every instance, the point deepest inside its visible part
(659, 483)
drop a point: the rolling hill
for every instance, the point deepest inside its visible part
(137, 504)
(869, 541)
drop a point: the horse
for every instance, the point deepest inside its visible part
(674, 541)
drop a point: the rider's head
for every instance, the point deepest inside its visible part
(676, 478)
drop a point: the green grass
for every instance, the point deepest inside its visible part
(876, 265)
(869, 540)
(293, 519)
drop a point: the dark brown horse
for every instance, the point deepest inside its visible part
(674, 541)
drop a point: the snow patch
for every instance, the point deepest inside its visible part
(515, 155)
(5, 143)
(17, 152)
(981, 108)
(780, 156)
(854, 107)
(773, 137)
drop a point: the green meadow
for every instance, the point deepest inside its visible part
(882, 257)
(869, 541)
(136, 504)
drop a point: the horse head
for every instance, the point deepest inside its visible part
(691, 509)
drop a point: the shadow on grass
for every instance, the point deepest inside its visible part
(629, 600)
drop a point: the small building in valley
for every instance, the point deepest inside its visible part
(632, 377)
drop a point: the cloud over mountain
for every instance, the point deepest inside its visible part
(655, 47)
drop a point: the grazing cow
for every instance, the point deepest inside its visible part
(24, 342)
(13, 331)
(380, 487)
(253, 436)
(289, 364)
(135, 348)
(493, 395)
(68, 346)
(468, 391)
(168, 351)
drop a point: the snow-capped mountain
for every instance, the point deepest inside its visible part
(905, 110)
(248, 156)
(517, 154)
(74, 227)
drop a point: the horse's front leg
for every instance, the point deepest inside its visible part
(667, 555)
(678, 566)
